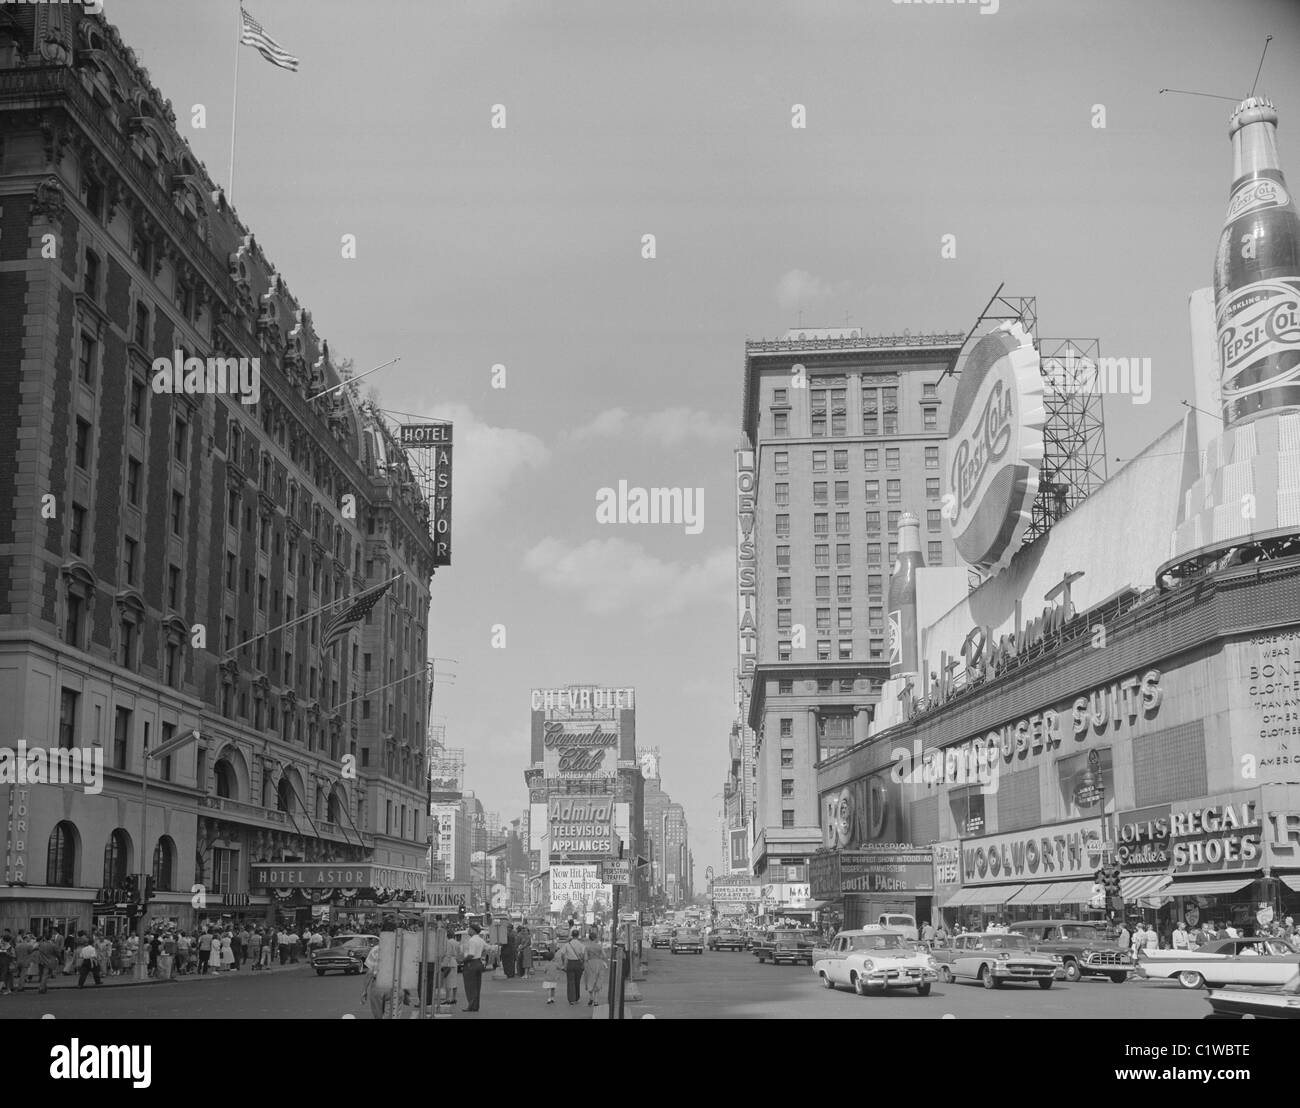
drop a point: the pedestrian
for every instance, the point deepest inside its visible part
(167, 958)
(927, 933)
(941, 935)
(70, 948)
(1124, 940)
(1231, 932)
(294, 941)
(451, 958)
(571, 955)
(371, 992)
(6, 962)
(472, 950)
(183, 954)
(88, 958)
(24, 956)
(595, 971)
(1139, 938)
(551, 978)
(205, 951)
(268, 944)
(1180, 940)
(1152, 939)
(155, 949)
(254, 949)
(524, 940)
(237, 938)
(227, 952)
(509, 951)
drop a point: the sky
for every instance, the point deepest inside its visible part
(522, 247)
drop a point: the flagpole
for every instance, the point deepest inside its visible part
(234, 111)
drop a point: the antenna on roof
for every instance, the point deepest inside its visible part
(1214, 95)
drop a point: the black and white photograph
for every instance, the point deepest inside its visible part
(680, 510)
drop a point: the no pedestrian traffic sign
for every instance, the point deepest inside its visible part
(616, 871)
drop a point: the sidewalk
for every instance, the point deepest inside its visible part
(524, 998)
(127, 979)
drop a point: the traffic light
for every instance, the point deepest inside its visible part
(461, 912)
(1114, 890)
(148, 889)
(487, 918)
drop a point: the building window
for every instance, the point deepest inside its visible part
(785, 688)
(117, 859)
(932, 488)
(95, 198)
(931, 457)
(893, 552)
(890, 405)
(181, 428)
(87, 359)
(870, 412)
(874, 584)
(821, 525)
(129, 547)
(935, 554)
(783, 527)
(787, 788)
(787, 817)
(787, 727)
(873, 524)
(787, 757)
(137, 403)
(126, 642)
(843, 555)
(780, 397)
(822, 557)
(823, 619)
(823, 588)
(170, 653)
(72, 620)
(781, 424)
(871, 457)
(782, 494)
(846, 650)
(173, 586)
(929, 392)
(894, 490)
(842, 523)
(841, 492)
(783, 588)
(164, 864)
(819, 397)
(823, 650)
(76, 529)
(931, 419)
(783, 557)
(875, 619)
(61, 856)
(820, 493)
(844, 586)
(873, 553)
(873, 492)
(223, 870)
(893, 458)
(841, 459)
(893, 521)
(783, 652)
(783, 618)
(819, 461)
(933, 519)
(141, 333)
(781, 461)
(178, 513)
(133, 482)
(121, 737)
(90, 284)
(81, 446)
(68, 718)
(845, 619)
(877, 649)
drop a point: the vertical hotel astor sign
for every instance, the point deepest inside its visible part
(995, 447)
(436, 439)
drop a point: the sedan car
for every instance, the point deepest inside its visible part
(1277, 1002)
(993, 959)
(726, 938)
(875, 959)
(1241, 961)
(661, 935)
(345, 952)
(686, 940)
(786, 945)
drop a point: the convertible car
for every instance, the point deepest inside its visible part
(874, 960)
(1277, 1002)
(1253, 961)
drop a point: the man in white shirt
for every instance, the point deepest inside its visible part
(473, 948)
(1180, 936)
(1232, 931)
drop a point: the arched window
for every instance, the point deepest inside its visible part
(117, 859)
(226, 781)
(164, 865)
(334, 811)
(284, 796)
(320, 803)
(61, 856)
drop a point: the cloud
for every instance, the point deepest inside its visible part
(485, 462)
(669, 427)
(614, 576)
(799, 289)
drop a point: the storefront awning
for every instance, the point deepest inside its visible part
(1066, 892)
(1143, 884)
(1224, 886)
(1026, 895)
(1290, 880)
(982, 894)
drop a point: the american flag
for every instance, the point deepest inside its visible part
(254, 35)
(340, 624)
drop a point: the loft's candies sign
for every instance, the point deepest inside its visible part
(996, 445)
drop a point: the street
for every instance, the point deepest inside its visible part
(713, 985)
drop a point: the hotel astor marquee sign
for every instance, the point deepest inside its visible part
(995, 442)
(335, 875)
(435, 439)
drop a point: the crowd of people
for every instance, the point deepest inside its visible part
(170, 952)
(1140, 936)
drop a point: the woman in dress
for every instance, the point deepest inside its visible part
(227, 952)
(596, 969)
(551, 977)
(524, 946)
(451, 958)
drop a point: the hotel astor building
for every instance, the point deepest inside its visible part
(152, 543)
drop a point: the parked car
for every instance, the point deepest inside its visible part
(875, 959)
(1243, 961)
(897, 921)
(686, 940)
(345, 952)
(993, 959)
(661, 935)
(784, 945)
(1275, 1002)
(726, 938)
(1086, 949)
(544, 942)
